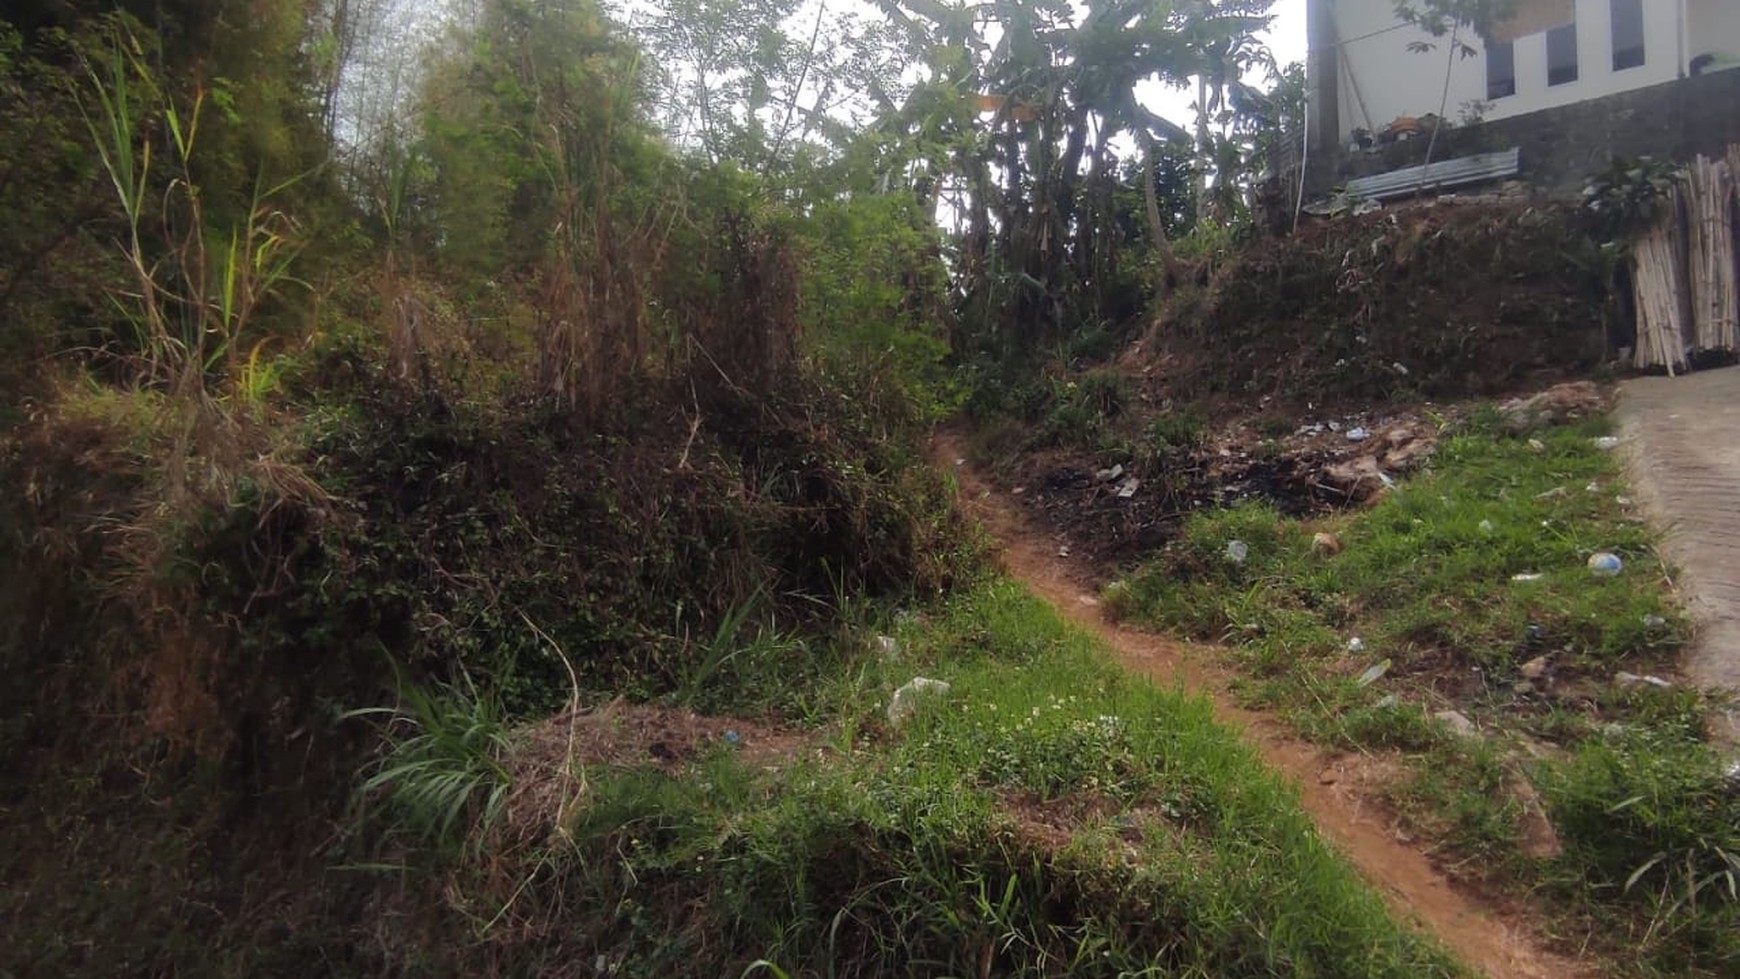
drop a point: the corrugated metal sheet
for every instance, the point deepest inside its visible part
(1442, 175)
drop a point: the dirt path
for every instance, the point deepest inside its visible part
(1414, 889)
(1684, 464)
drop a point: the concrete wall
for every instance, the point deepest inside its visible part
(1380, 79)
(1562, 146)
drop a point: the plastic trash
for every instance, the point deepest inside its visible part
(1537, 445)
(1654, 622)
(1625, 679)
(906, 699)
(1607, 443)
(1237, 551)
(1373, 672)
(1605, 564)
(1356, 645)
(1129, 488)
(1486, 527)
(731, 737)
(1357, 435)
(1527, 576)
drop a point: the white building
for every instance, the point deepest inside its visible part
(1367, 72)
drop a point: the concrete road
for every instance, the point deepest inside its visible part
(1682, 444)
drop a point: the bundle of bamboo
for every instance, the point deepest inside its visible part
(1658, 274)
(1709, 197)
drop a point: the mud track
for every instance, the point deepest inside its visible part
(1493, 939)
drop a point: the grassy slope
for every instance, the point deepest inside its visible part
(1427, 583)
(1050, 816)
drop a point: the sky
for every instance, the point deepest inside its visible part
(1285, 37)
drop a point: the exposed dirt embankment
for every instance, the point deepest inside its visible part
(1433, 301)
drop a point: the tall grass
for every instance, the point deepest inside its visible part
(197, 288)
(439, 777)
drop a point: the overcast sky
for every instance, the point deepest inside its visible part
(1285, 37)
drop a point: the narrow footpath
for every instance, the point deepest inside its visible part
(1485, 938)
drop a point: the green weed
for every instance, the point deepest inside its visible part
(440, 772)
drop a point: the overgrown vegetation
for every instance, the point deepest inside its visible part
(1469, 589)
(392, 401)
(1049, 815)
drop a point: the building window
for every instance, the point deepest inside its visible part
(1562, 55)
(1627, 34)
(1500, 69)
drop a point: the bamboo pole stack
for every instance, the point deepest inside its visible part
(1685, 273)
(1658, 267)
(1709, 187)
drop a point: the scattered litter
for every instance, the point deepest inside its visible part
(1063, 551)
(1357, 435)
(1535, 668)
(1335, 426)
(1237, 551)
(1605, 564)
(1017, 491)
(1400, 368)
(1625, 679)
(1592, 488)
(1551, 494)
(1537, 445)
(1325, 543)
(1534, 632)
(1458, 723)
(1527, 576)
(1384, 478)
(1087, 600)
(731, 737)
(1356, 645)
(905, 701)
(1107, 475)
(1607, 443)
(1486, 527)
(888, 646)
(1373, 672)
(1654, 622)
(960, 462)
(1129, 488)
(1622, 500)
(1388, 700)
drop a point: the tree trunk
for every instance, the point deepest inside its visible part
(1156, 228)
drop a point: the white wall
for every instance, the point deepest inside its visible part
(1381, 79)
(1391, 81)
